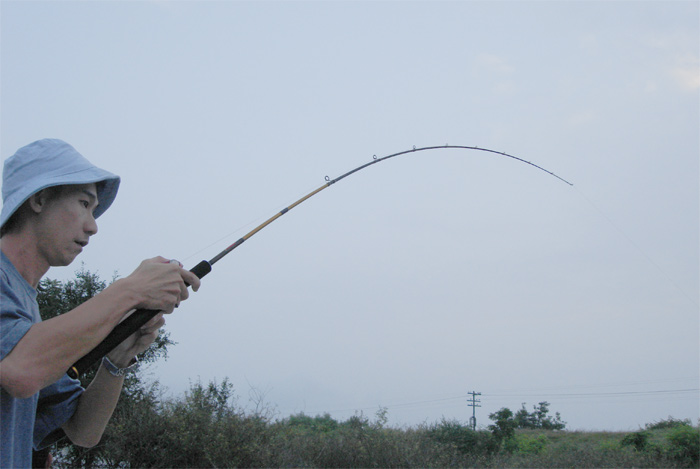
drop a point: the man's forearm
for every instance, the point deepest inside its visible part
(95, 408)
(50, 347)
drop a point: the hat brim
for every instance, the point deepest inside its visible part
(106, 192)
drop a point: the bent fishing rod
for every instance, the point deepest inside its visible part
(141, 316)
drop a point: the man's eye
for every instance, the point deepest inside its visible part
(85, 203)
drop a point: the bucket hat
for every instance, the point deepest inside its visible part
(51, 162)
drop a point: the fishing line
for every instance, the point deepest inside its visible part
(237, 230)
(140, 317)
(638, 248)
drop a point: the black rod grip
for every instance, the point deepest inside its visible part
(123, 330)
(201, 269)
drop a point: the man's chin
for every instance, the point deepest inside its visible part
(65, 261)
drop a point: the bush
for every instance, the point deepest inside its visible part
(504, 425)
(532, 445)
(462, 438)
(201, 429)
(684, 445)
(668, 423)
(538, 418)
(303, 441)
(638, 440)
(305, 424)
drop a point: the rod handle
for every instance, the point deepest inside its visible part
(123, 330)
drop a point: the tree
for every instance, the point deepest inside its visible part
(203, 428)
(538, 418)
(504, 425)
(55, 298)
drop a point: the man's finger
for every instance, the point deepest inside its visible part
(155, 323)
(191, 279)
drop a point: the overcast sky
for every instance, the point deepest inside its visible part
(424, 277)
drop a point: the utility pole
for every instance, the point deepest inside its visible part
(473, 404)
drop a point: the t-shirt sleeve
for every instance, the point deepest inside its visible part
(57, 403)
(15, 320)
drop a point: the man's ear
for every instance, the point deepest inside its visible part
(37, 201)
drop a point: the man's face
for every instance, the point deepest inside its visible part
(66, 223)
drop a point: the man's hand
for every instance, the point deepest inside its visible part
(97, 403)
(160, 285)
(137, 342)
(156, 284)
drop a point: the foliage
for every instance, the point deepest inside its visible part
(682, 441)
(668, 423)
(532, 444)
(538, 418)
(306, 424)
(202, 429)
(504, 425)
(684, 445)
(56, 298)
(638, 440)
(454, 435)
(205, 427)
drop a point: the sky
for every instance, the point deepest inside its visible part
(427, 276)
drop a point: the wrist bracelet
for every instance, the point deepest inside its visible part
(114, 370)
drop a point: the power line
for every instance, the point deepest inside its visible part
(690, 381)
(603, 394)
(534, 393)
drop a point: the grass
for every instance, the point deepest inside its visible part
(205, 429)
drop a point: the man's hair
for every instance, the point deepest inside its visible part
(15, 222)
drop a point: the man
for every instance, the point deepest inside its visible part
(51, 198)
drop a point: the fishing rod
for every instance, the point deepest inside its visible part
(141, 316)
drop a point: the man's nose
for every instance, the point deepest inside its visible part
(91, 226)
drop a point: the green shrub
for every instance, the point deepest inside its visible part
(462, 438)
(668, 423)
(306, 424)
(532, 445)
(638, 440)
(504, 425)
(684, 445)
(538, 418)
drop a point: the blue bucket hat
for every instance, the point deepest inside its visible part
(51, 162)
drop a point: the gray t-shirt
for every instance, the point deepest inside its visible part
(36, 421)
